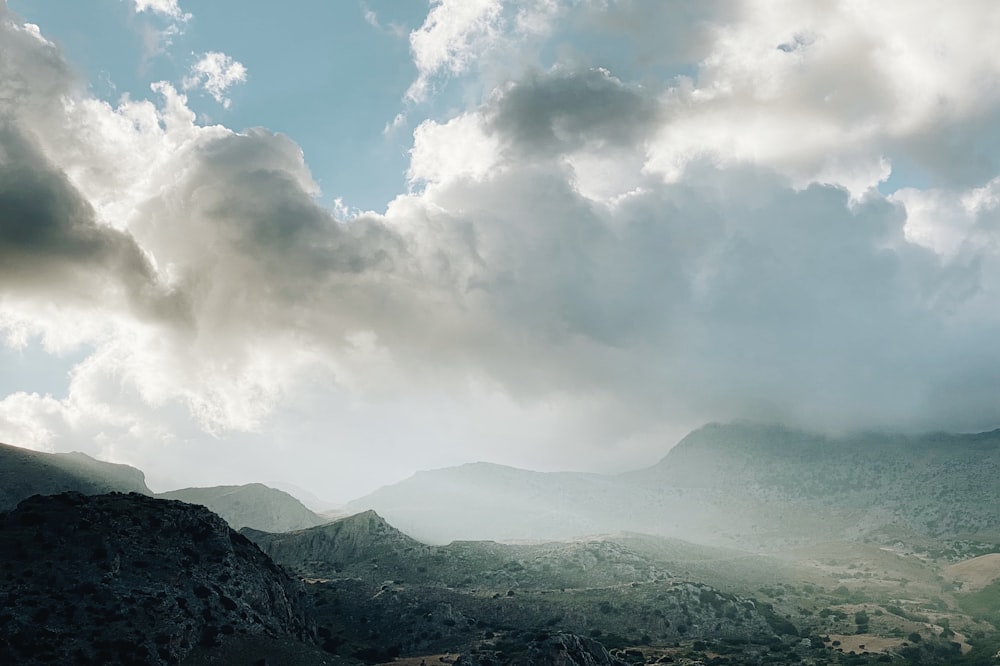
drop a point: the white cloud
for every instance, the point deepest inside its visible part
(395, 125)
(215, 73)
(860, 83)
(167, 8)
(459, 35)
(453, 35)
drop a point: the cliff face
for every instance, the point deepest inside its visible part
(131, 579)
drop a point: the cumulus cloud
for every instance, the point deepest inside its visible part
(215, 73)
(584, 264)
(450, 38)
(458, 35)
(832, 93)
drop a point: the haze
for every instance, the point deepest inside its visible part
(331, 246)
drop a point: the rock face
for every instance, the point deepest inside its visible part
(252, 505)
(559, 650)
(130, 579)
(24, 473)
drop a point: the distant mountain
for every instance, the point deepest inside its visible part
(253, 505)
(131, 579)
(24, 473)
(745, 485)
(866, 485)
(486, 501)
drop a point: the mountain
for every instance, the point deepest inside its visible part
(253, 505)
(24, 473)
(365, 538)
(132, 579)
(806, 486)
(743, 485)
(486, 501)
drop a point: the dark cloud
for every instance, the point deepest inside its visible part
(572, 110)
(51, 244)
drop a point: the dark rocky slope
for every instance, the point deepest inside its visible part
(130, 579)
(24, 473)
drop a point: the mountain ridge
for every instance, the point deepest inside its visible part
(25, 472)
(743, 485)
(251, 505)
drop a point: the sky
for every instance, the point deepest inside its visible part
(331, 244)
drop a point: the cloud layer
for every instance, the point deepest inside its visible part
(588, 262)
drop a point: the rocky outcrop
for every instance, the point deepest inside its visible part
(558, 650)
(252, 505)
(24, 473)
(130, 579)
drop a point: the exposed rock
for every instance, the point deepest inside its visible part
(131, 579)
(252, 505)
(569, 650)
(558, 650)
(24, 473)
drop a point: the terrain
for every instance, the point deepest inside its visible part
(380, 594)
(130, 579)
(746, 544)
(750, 486)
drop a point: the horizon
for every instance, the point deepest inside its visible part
(333, 246)
(319, 502)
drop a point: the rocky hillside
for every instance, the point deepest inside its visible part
(367, 547)
(24, 473)
(380, 594)
(559, 650)
(252, 505)
(130, 579)
(359, 544)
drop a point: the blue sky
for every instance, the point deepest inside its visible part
(338, 243)
(324, 76)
